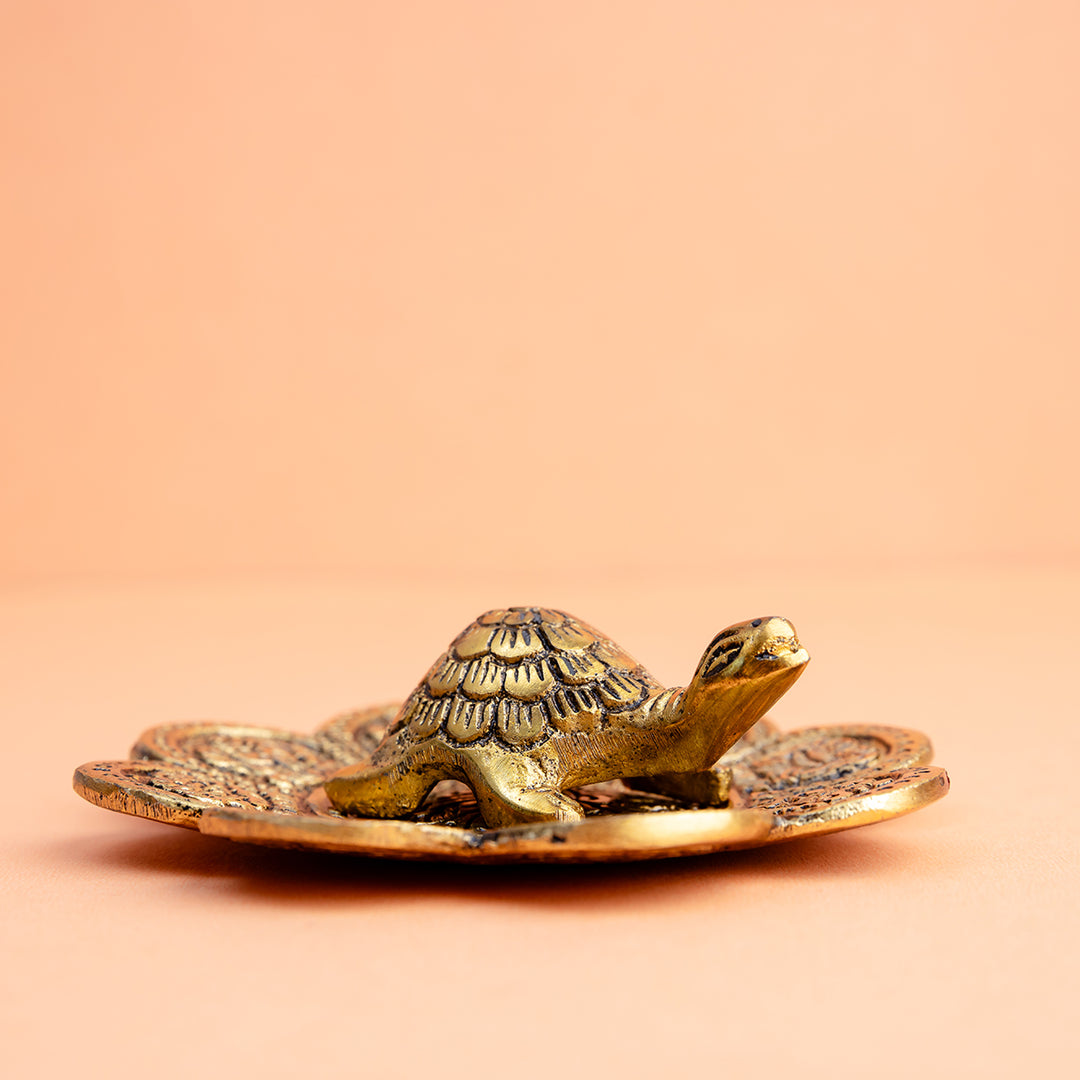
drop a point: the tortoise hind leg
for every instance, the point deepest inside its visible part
(387, 791)
(509, 794)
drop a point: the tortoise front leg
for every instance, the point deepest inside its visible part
(509, 792)
(709, 787)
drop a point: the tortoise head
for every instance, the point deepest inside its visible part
(742, 674)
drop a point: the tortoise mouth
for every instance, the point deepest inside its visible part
(786, 651)
(769, 662)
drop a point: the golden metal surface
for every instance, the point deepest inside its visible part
(534, 737)
(265, 786)
(528, 704)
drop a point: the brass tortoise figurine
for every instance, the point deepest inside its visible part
(529, 702)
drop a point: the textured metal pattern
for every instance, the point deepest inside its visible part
(264, 786)
(516, 675)
(528, 704)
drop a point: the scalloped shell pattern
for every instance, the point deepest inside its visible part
(520, 674)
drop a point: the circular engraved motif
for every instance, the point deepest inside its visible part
(352, 736)
(813, 756)
(801, 801)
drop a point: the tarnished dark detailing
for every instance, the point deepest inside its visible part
(530, 702)
(264, 786)
(536, 738)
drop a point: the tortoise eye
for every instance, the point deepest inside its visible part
(722, 657)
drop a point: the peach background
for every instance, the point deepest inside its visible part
(328, 325)
(327, 286)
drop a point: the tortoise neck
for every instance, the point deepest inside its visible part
(714, 718)
(668, 736)
(652, 733)
(664, 709)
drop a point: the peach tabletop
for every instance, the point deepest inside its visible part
(328, 325)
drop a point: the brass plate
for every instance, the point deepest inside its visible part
(262, 786)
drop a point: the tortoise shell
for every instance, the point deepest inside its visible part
(519, 675)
